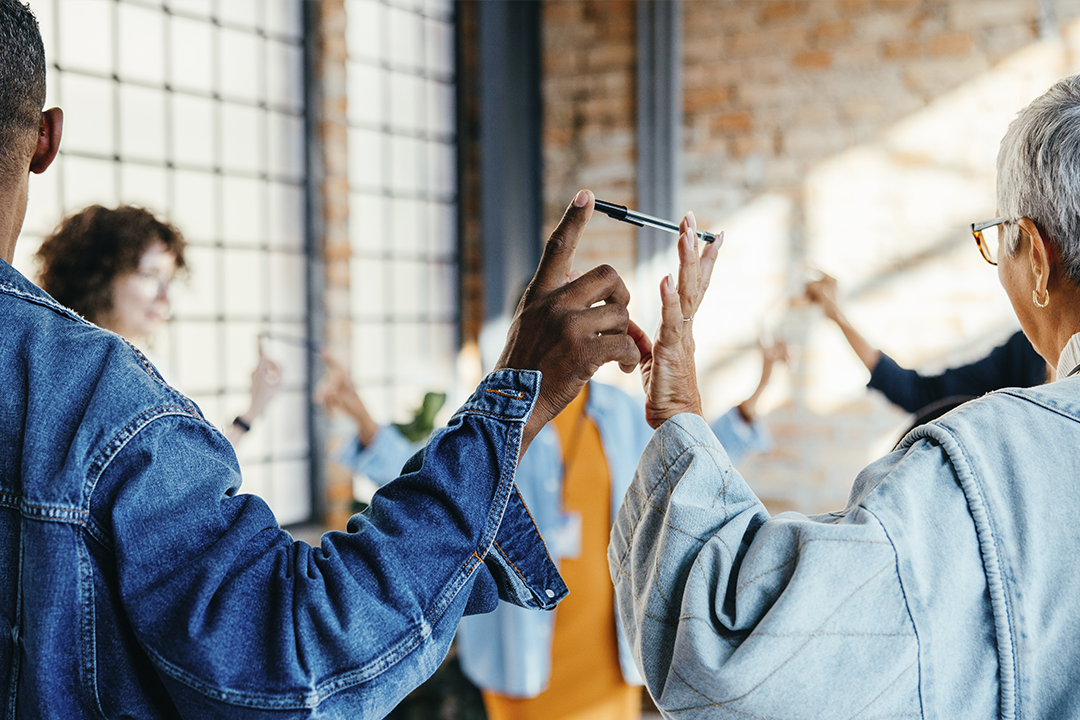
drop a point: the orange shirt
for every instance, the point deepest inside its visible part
(586, 679)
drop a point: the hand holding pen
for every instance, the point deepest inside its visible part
(620, 212)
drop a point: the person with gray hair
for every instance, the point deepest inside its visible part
(947, 585)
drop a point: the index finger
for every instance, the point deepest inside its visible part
(558, 258)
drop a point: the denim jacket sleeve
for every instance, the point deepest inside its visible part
(241, 621)
(731, 613)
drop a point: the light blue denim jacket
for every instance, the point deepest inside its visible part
(946, 588)
(509, 651)
(137, 581)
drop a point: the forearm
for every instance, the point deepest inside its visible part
(868, 354)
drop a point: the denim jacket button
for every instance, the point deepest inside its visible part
(550, 593)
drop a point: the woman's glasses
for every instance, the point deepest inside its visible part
(987, 247)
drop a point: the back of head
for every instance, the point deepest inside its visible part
(1038, 168)
(22, 84)
(90, 248)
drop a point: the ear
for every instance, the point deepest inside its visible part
(48, 140)
(1040, 254)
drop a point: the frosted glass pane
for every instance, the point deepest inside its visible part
(192, 55)
(443, 229)
(439, 47)
(405, 39)
(443, 9)
(408, 349)
(286, 146)
(144, 185)
(241, 54)
(408, 227)
(201, 8)
(365, 94)
(409, 285)
(242, 135)
(242, 350)
(244, 287)
(364, 29)
(242, 204)
(87, 182)
(197, 357)
(286, 345)
(256, 475)
(291, 497)
(142, 50)
(194, 204)
(193, 130)
(285, 76)
(43, 206)
(47, 24)
(86, 38)
(405, 157)
(88, 114)
(286, 222)
(441, 108)
(287, 286)
(366, 229)
(239, 12)
(365, 158)
(442, 169)
(444, 297)
(368, 288)
(196, 294)
(287, 418)
(285, 17)
(406, 108)
(370, 353)
(142, 123)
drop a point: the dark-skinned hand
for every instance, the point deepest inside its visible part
(568, 324)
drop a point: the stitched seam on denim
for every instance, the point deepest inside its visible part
(43, 300)
(904, 594)
(996, 582)
(717, 703)
(887, 687)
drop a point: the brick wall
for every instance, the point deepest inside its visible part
(854, 136)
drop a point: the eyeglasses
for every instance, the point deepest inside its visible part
(987, 247)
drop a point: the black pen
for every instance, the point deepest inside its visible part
(619, 212)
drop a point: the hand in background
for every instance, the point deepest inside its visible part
(668, 372)
(265, 383)
(335, 391)
(567, 324)
(823, 292)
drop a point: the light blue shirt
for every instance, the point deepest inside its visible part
(946, 588)
(509, 651)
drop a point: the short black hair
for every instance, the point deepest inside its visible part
(22, 80)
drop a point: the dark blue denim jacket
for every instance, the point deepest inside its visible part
(137, 581)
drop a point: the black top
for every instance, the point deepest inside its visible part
(1014, 364)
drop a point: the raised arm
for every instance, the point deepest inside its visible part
(823, 293)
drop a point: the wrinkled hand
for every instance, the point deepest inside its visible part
(567, 324)
(823, 292)
(668, 373)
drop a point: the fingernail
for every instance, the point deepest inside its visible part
(582, 199)
(690, 217)
(720, 240)
(670, 279)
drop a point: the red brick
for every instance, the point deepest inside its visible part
(902, 49)
(961, 42)
(705, 98)
(813, 60)
(730, 122)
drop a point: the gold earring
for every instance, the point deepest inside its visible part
(1035, 298)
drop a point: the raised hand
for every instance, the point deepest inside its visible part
(567, 324)
(668, 372)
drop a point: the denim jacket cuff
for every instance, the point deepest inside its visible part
(518, 559)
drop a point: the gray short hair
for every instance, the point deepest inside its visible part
(1038, 173)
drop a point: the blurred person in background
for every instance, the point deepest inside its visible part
(114, 267)
(574, 663)
(1013, 364)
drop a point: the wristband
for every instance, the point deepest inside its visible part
(239, 422)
